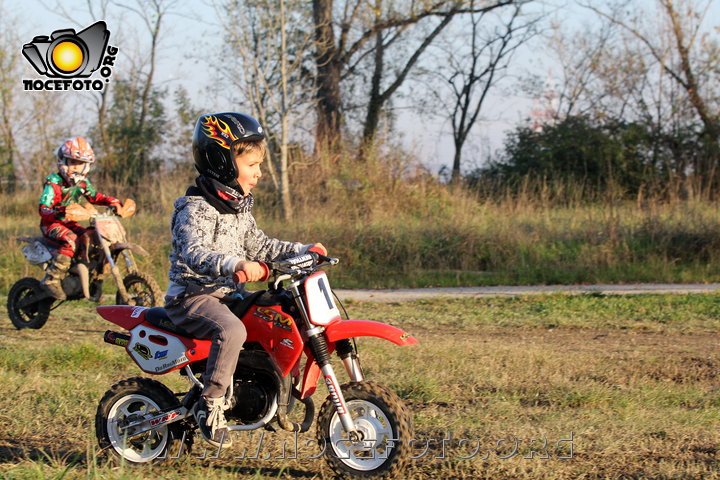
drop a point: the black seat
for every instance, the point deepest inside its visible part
(158, 316)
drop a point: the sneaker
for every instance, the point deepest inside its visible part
(211, 420)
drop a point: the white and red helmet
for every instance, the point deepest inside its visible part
(77, 149)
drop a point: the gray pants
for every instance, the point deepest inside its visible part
(205, 317)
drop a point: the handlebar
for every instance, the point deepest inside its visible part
(76, 212)
(294, 266)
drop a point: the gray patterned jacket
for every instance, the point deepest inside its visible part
(206, 246)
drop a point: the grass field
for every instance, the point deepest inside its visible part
(549, 387)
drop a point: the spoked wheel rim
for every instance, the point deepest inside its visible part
(28, 304)
(27, 309)
(140, 296)
(144, 447)
(375, 444)
(142, 291)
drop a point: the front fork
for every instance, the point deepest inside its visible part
(318, 344)
(114, 268)
(319, 347)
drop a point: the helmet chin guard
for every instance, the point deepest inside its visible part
(75, 177)
(77, 150)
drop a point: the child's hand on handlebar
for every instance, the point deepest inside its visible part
(251, 271)
(318, 248)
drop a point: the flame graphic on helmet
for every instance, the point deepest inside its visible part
(219, 131)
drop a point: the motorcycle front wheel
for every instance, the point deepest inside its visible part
(142, 291)
(385, 429)
(129, 401)
(24, 310)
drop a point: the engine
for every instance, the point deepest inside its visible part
(73, 287)
(254, 388)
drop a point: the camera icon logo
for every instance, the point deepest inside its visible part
(67, 54)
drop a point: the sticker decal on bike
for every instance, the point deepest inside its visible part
(112, 337)
(137, 311)
(142, 350)
(167, 366)
(165, 418)
(321, 306)
(277, 319)
(333, 389)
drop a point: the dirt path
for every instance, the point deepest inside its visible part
(408, 294)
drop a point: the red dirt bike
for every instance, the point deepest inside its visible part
(106, 243)
(364, 428)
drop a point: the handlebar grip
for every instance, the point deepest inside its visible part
(318, 250)
(241, 277)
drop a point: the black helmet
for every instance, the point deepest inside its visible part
(214, 135)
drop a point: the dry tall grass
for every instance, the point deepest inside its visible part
(393, 224)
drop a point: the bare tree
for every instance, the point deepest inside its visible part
(97, 10)
(139, 81)
(380, 93)
(579, 55)
(476, 66)
(273, 40)
(339, 41)
(9, 68)
(151, 13)
(607, 76)
(41, 126)
(686, 56)
(29, 121)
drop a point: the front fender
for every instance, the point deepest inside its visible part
(349, 329)
(367, 328)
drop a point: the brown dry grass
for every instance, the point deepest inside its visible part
(637, 402)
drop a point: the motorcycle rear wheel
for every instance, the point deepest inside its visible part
(142, 291)
(127, 401)
(386, 428)
(34, 314)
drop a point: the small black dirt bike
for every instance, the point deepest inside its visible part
(29, 304)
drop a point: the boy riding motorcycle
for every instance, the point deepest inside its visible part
(214, 235)
(75, 157)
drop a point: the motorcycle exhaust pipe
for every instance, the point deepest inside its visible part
(309, 411)
(116, 338)
(285, 389)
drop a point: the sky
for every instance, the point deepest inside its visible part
(196, 26)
